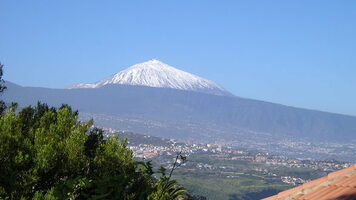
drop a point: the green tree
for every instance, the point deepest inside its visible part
(2, 88)
(167, 189)
(47, 154)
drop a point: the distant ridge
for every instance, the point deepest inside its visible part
(155, 73)
(189, 115)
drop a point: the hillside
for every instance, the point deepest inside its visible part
(173, 113)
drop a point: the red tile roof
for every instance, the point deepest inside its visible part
(339, 185)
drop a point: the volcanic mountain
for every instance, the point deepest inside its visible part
(155, 99)
(155, 73)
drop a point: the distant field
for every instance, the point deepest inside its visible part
(238, 181)
(221, 188)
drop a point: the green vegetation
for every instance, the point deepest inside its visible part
(238, 180)
(2, 88)
(222, 188)
(46, 154)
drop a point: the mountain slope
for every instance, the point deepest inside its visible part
(154, 73)
(173, 113)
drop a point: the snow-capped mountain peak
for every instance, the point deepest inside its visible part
(155, 73)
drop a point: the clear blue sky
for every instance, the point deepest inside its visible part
(298, 53)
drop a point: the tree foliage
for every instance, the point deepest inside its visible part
(47, 154)
(167, 189)
(2, 86)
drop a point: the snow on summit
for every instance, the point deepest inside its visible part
(155, 73)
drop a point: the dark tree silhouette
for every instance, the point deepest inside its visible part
(2, 86)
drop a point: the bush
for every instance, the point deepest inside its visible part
(46, 153)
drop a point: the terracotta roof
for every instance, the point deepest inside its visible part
(339, 185)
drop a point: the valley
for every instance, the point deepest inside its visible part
(224, 172)
(291, 147)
